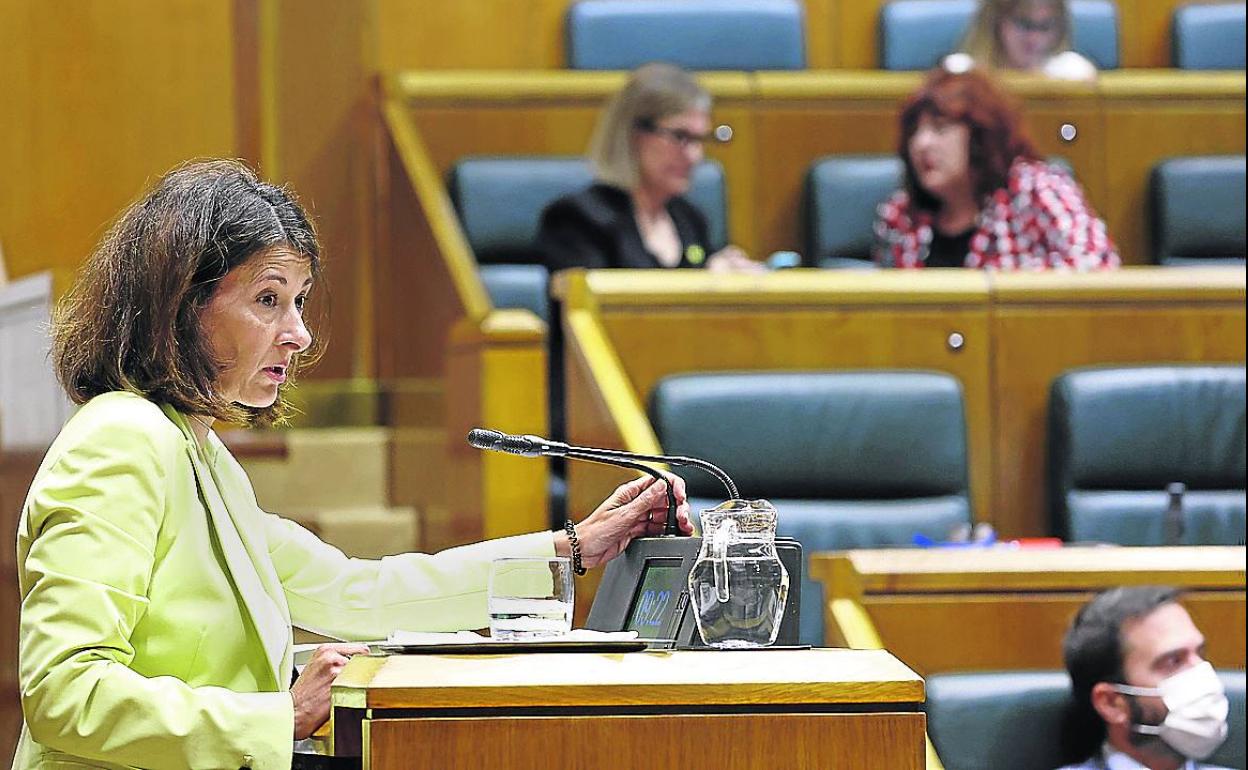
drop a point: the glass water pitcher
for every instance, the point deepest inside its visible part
(738, 585)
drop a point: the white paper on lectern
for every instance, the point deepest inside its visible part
(471, 637)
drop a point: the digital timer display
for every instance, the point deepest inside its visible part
(662, 583)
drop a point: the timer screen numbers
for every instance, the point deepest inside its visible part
(661, 584)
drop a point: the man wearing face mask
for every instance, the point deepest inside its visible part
(1139, 675)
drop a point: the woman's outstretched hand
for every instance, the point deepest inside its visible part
(634, 509)
(310, 692)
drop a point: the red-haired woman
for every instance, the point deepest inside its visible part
(976, 193)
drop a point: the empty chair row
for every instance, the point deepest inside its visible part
(913, 34)
(861, 459)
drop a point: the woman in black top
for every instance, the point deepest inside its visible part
(644, 150)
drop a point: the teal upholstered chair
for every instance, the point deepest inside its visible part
(695, 34)
(1208, 36)
(841, 195)
(1119, 436)
(1198, 210)
(1026, 720)
(917, 34)
(850, 459)
(500, 200)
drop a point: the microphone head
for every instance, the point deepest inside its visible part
(484, 438)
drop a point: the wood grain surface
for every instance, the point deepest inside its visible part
(693, 677)
(1000, 608)
(885, 741)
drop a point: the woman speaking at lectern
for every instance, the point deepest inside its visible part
(157, 598)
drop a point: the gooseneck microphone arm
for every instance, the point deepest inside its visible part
(690, 462)
(670, 527)
(536, 446)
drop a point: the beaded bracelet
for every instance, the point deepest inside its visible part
(574, 543)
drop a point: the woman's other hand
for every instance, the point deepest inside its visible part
(633, 509)
(310, 692)
(731, 259)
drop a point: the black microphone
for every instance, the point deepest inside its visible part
(525, 446)
(536, 446)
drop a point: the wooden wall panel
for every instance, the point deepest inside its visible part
(941, 633)
(790, 138)
(321, 118)
(822, 42)
(855, 25)
(481, 34)
(865, 741)
(101, 98)
(1144, 31)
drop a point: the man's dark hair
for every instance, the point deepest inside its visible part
(132, 320)
(1092, 648)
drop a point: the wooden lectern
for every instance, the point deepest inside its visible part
(750, 709)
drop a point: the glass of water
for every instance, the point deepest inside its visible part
(530, 598)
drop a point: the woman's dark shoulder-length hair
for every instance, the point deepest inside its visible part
(997, 134)
(132, 319)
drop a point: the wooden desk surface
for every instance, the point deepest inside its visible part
(1002, 569)
(696, 677)
(992, 609)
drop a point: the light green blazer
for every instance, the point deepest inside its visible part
(157, 599)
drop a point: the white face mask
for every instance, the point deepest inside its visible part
(1195, 724)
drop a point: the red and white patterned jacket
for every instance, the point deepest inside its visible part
(1039, 221)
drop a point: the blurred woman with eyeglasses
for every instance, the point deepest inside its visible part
(644, 150)
(1027, 35)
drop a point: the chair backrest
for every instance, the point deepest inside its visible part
(1119, 436)
(695, 34)
(917, 34)
(1024, 720)
(1094, 31)
(1208, 36)
(842, 193)
(1198, 210)
(518, 286)
(850, 459)
(500, 200)
(709, 192)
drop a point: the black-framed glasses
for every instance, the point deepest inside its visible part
(682, 138)
(1045, 26)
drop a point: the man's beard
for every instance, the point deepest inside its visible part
(1152, 744)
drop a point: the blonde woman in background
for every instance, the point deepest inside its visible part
(645, 147)
(1027, 35)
